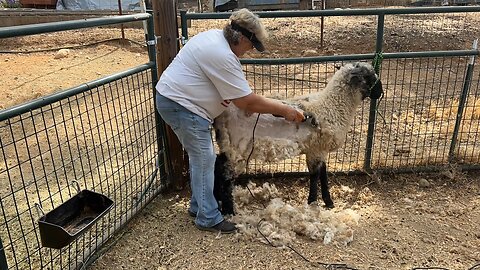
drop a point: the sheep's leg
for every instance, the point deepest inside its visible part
(319, 171)
(223, 187)
(313, 192)
(227, 203)
(219, 180)
(324, 184)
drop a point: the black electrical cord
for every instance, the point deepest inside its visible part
(253, 142)
(325, 265)
(329, 266)
(475, 267)
(250, 155)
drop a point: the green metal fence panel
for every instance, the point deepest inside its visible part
(407, 135)
(23, 30)
(341, 12)
(418, 112)
(428, 26)
(104, 138)
(101, 134)
(405, 130)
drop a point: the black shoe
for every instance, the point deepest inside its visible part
(192, 214)
(222, 227)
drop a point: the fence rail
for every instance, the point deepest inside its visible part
(33, 29)
(101, 134)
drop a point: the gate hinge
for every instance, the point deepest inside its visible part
(153, 42)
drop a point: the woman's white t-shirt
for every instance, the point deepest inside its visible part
(204, 76)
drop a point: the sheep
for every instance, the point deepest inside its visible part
(331, 110)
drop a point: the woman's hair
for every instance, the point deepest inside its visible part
(246, 19)
(232, 36)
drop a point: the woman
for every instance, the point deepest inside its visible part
(201, 82)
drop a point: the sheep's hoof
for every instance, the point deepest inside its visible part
(328, 203)
(228, 212)
(313, 203)
(329, 206)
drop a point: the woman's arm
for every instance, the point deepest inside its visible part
(259, 104)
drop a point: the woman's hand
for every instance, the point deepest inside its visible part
(294, 115)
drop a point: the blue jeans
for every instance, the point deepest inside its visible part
(194, 133)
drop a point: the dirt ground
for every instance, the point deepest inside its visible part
(402, 225)
(26, 76)
(406, 221)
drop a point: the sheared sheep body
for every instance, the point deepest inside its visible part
(333, 110)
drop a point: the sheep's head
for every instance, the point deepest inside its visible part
(362, 76)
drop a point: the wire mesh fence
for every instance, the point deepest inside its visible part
(420, 110)
(101, 135)
(103, 138)
(416, 118)
(422, 119)
(389, 3)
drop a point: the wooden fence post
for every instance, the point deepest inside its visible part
(166, 32)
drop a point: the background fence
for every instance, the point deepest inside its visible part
(102, 134)
(386, 3)
(428, 117)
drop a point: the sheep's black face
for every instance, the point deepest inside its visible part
(363, 76)
(376, 90)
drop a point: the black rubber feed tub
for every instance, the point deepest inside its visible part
(62, 225)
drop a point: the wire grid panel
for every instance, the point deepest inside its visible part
(387, 3)
(104, 139)
(415, 119)
(467, 150)
(289, 80)
(419, 112)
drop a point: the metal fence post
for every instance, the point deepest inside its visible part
(160, 125)
(373, 103)
(162, 151)
(322, 24)
(184, 25)
(3, 258)
(461, 104)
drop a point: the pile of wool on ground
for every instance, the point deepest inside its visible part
(282, 222)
